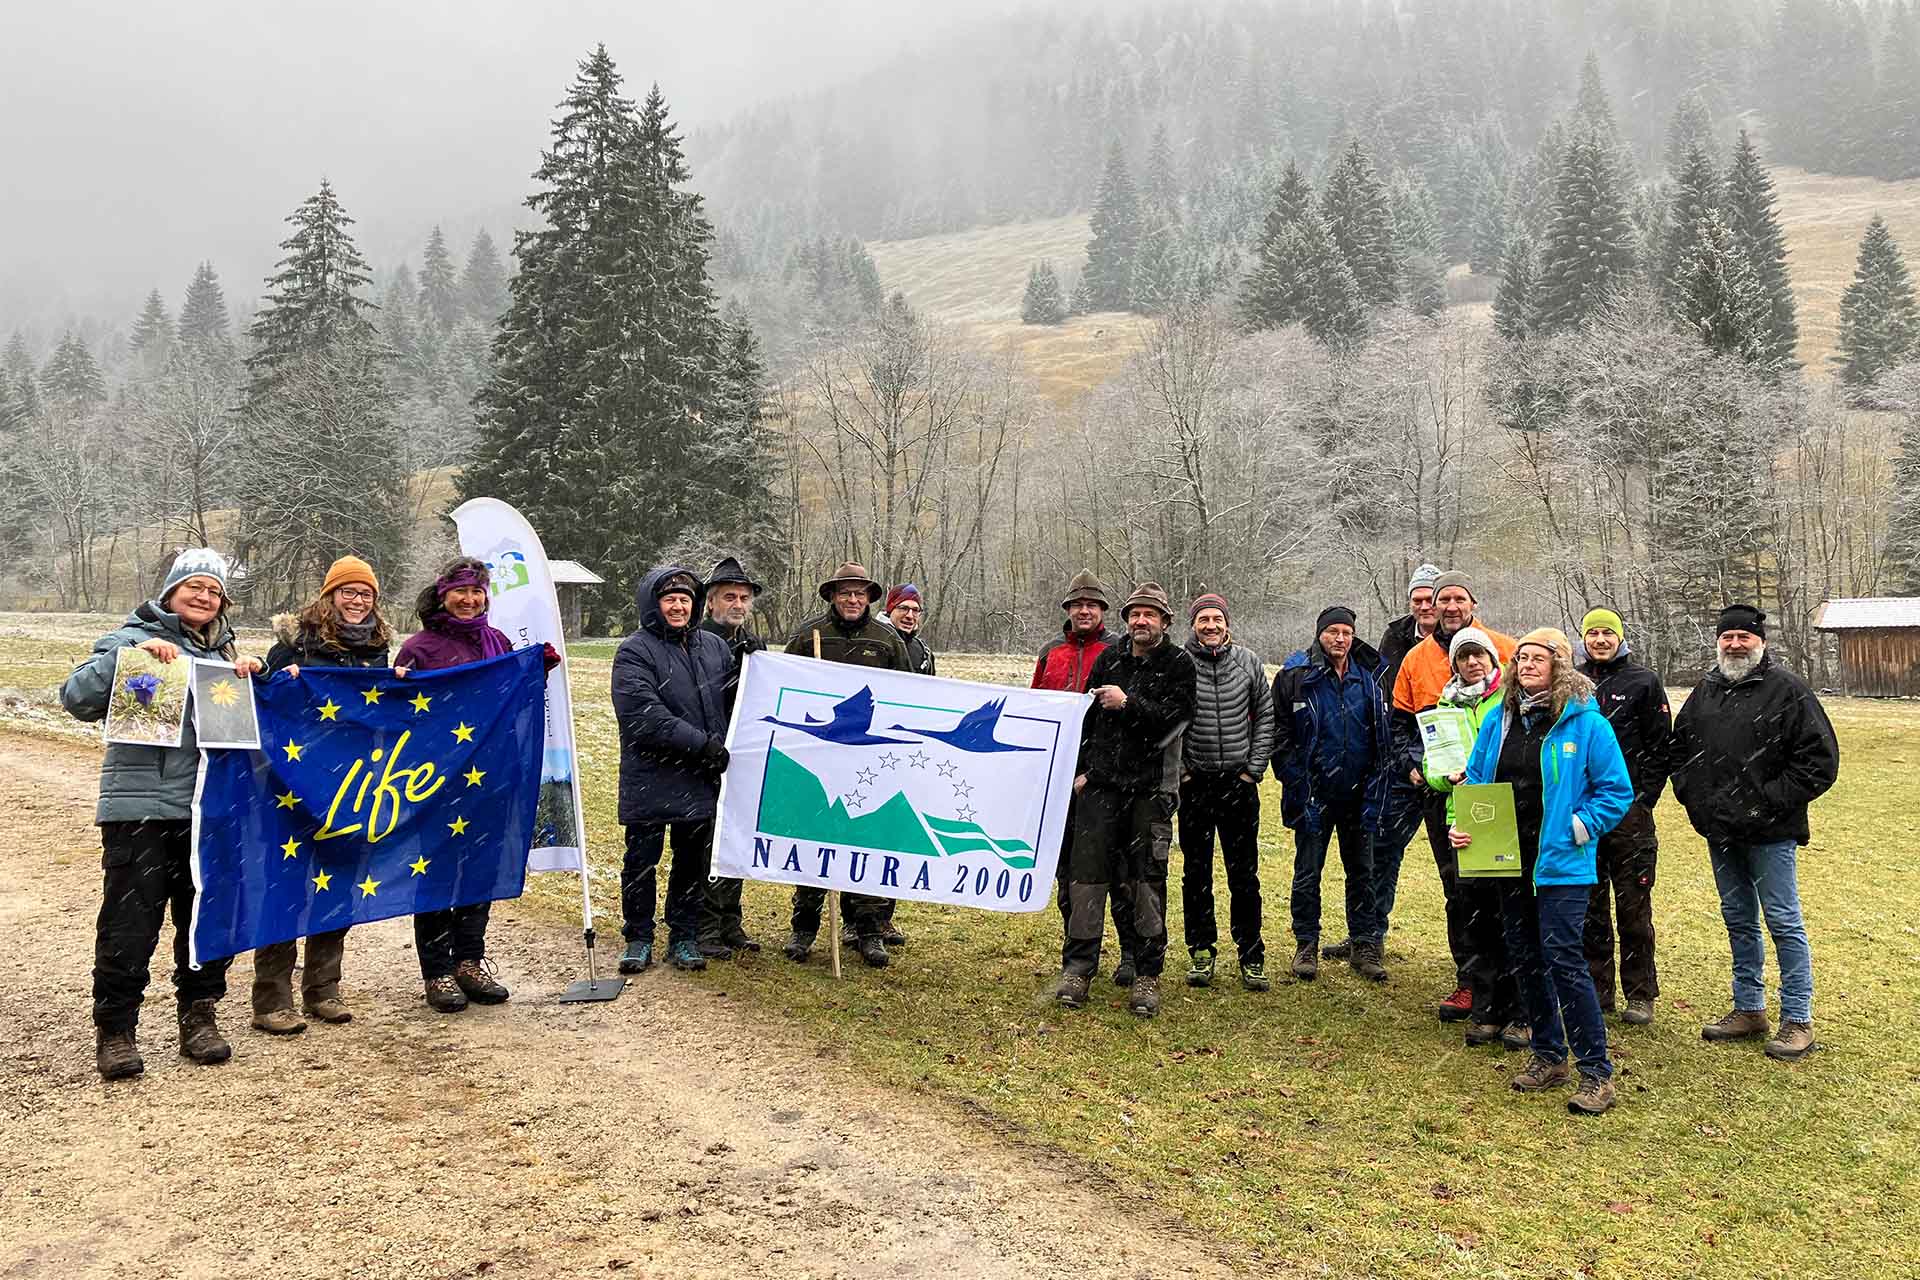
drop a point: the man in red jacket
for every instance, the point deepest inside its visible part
(1065, 665)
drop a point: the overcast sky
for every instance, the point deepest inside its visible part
(140, 138)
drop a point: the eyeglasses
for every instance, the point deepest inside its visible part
(353, 593)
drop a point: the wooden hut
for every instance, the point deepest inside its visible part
(570, 581)
(1879, 640)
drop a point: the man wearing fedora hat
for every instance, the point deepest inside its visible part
(731, 592)
(847, 632)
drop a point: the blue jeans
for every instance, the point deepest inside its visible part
(1758, 880)
(1546, 932)
(1356, 857)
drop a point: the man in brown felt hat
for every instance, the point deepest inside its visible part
(847, 632)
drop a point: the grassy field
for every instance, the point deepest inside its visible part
(1336, 1128)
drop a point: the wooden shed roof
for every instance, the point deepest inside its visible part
(571, 572)
(1868, 613)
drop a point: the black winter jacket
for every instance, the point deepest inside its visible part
(868, 643)
(1395, 643)
(669, 692)
(294, 645)
(1127, 750)
(740, 642)
(1634, 700)
(1749, 757)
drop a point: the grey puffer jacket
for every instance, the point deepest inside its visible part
(142, 783)
(1232, 728)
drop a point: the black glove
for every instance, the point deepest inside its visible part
(714, 755)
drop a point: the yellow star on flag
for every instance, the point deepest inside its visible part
(464, 732)
(288, 799)
(371, 695)
(322, 880)
(293, 750)
(473, 776)
(329, 709)
(290, 848)
(458, 826)
(419, 866)
(421, 702)
(367, 886)
(223, 693)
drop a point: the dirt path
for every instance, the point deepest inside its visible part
(665, 1134)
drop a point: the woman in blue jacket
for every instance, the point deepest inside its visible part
(1570, 787)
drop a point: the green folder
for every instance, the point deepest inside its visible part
(1484, 810)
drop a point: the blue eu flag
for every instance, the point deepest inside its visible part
(370, 797)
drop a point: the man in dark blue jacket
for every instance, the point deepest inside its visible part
(669, 698)
(1331, 751)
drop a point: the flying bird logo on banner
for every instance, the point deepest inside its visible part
(370, 797)
(902, 786)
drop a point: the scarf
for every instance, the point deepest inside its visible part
(475, 632)
(355, 635)
(1532, 702)
(1470, 695)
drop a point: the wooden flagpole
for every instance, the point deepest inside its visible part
(833, 895)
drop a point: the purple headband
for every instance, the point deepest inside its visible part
(463, 577)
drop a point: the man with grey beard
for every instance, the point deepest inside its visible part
(1751, 748)
(731, 592)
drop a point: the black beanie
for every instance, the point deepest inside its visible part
(1331, 614)
(1742, 617)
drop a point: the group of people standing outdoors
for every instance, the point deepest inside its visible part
(1176, 729)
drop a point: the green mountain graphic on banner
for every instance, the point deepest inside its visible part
(794, 803)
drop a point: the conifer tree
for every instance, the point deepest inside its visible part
(1903, 515)
(1275, 292)
(1116, 238)
(1896, 140)
(1756, 229)
(313, 296)
(1592, 108)
(152, 335)
(1690, 129)
(483, 282)
(1718, 297)
(71, 375)
(1159, 274)
(1160, 186)
(203, 316)
(1358, 217)
(1697, 192)
(1589, 249)
(1490, 231)
(1081, 301)
(1042, 303)
(439, 290)
(1515, 304)
(1879, 321)
(17, 368)
(1334, 309)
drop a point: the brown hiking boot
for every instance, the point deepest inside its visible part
(200, 1037)
(1540, 1075)
(1367, 961)
(1306, 961)
(327, 1009)
(114, 1054)
(444, 994)
(1740, 1024)
(1144, 1000)
(1517, 1036)
(1479, 1033)
(1638, 1013)
(1072, 991)
(1794, 1042)
(1341, 950)
(1594, 1097)
(477, 982)
(278, 1022)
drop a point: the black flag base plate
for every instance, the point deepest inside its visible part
(592, 990)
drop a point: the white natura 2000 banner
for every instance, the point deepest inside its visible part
(901, 786)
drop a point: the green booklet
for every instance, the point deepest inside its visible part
(1484, 810)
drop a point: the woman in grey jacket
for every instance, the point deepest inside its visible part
(145, 815)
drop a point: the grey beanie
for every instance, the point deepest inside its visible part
(195, 562)
(1425, 576)
(1455, 578)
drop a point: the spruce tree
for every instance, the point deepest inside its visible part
(1516, 302)
(1159, 273)
(1592, 108)
(1333, 308)
(1718, 298)
(1291, 199)
(1275, 292)
(203, 316)
(71, 375)
(313, 297)
(17, 368)
(1903, 515)
(1756, 229)
(1160, 185)
(1358, 217)
(483, 282)
(1490, 232)
(1896, 140)
(1042, 303)
(1589, 249)
(1116, 238)
(1696, 193)
(1879, 321)
(1690, 129)
(152, 335)
(439, 290)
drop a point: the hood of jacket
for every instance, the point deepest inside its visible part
(151, 617)
(651, 619)
(1362, 655)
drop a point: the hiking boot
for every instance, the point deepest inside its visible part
(327, 1009)
(685, 956)
(893, 935)
(849, 936)
(1794, 1042)
(740, 940)
(478, 983)
(1457, 1007)
(1367, 961)
(200, 1037)
(1479, 1033)
(1253, 975)
(1200, 971)
(445, 995)
(1594, 1097)
(1072, 991)
(1739, 1024)
(1123, 973)
(874, 951)
(638, 957)
(799, 945)
(1306, 961)
(1539, 1075)
(1639, 1013)
(114, 1054)
(1144, 1000)
(1341, 950)
(714, 949)
(1517, 1036)
(278, 1022)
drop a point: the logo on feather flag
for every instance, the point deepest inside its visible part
(896, 785)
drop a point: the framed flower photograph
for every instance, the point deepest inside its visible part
(223, 710)
(148, 705)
